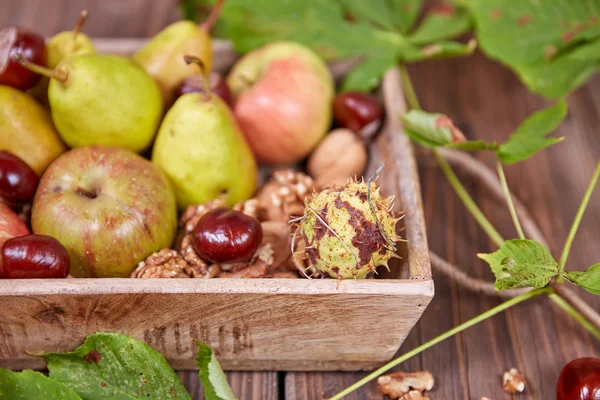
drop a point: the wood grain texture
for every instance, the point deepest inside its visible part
(487, 102)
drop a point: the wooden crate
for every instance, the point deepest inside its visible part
(253, 324)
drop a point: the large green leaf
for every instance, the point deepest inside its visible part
(521, 263)
(589, 280)
(544, 41)
(405, 13)
(115, 366)
(370, 30)
(30, 385)
(442, 22)
(530, 136)
(212, 376)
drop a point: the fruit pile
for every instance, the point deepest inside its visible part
(100, 153)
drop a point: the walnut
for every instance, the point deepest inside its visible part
(283, 196)
(399, 384)
(277, 234)
(414, 395)
(284, 274)
(513, 382)
(259, 269)
(248, 207)
(299, 259)
(166, 263)
(193, 213)
(341, 155)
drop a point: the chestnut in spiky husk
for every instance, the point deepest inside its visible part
(341, 231)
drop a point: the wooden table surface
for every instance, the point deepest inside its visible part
(487, 102)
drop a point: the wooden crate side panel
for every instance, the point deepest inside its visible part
(247, 331)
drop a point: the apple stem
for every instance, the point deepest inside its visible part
(58, 74)
(195, 60)
(214, 15)
(79, 24)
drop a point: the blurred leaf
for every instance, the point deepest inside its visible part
(589, 280)
(371, 30)
(530, 136)
(115, 366)
(444, 21)
(521, 263)
(545, 41)
(424, 128)
(30, 385)
(212, 376)
(405, 13)
(189, 8)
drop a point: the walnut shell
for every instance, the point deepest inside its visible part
(341, 155)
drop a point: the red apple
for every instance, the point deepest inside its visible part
(282, 100)
(10, 225)
(108, 206)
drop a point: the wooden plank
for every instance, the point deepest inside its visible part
(488, 102)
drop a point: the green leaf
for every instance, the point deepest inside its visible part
(365, 76)
(212, 376)
(430, 129)
(530, 136)
(444, 21)
(540, 39)
(521, 263)
(472, 145)
(29, 385)
(115, 366)
(589, 280)
(405, 13)
(371, 30)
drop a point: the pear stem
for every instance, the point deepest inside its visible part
(79, 24)
(195, 60)
(58, 74)
(214, 15)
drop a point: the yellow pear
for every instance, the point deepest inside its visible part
(26, 130)
(162, 57)
(203, 151)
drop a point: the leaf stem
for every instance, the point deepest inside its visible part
(562, 303)
(509, 202)
(576, 222)
(467, 200)
(408, 88)
(481, 317)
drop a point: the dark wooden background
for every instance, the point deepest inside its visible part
(488, 102)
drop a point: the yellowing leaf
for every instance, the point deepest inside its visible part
(521, 263)
(212, 376)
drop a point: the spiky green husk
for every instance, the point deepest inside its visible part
(341, 232)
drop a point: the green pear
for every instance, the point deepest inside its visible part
(99, 99)
(26, 130)
(203, 152)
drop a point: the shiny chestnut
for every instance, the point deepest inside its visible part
(34, 256)
(226, 236)
(579, 380)
(18, 181)
(31, 45)
(358, 111)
